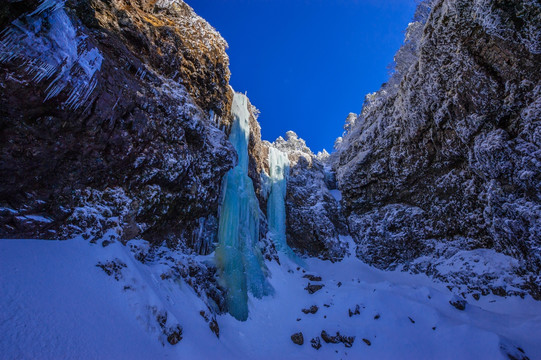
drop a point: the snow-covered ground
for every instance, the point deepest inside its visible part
(57, 304)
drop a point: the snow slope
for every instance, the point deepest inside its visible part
(56, 303)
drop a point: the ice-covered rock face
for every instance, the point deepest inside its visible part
(314, 221)
(116, 119)
(50, 48)
(447, 155)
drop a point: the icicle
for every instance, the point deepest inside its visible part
(45, 5)
(48, 45)
(201, 245)
(238, 255)
(205, 236)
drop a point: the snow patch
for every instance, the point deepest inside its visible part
(58, 304)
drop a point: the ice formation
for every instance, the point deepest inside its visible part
(238, 256)
(279, 167)
(49, 46)
(276, 208)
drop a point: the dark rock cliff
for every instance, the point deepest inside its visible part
(109, 120)
(445, 160)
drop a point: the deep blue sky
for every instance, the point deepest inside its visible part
(307, 63)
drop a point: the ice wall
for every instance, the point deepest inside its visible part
(276, 214)
(276, 208)
(238, 256)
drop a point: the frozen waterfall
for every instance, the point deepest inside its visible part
(276, 215)
(238, 256)
(276, 208)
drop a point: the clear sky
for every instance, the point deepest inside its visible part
(307, 63)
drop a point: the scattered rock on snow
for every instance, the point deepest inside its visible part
(174, 335)
(313, 288)
(338, 338)
(113, 268)
(355, 311)
(312, 277)
(214, 327)
(511, 351)
(297, 338)
(213, 323)
(316, 343)
(460, 304)
(347, 341)
(330, 339)
(312, 310)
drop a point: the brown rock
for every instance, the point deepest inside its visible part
(313, 288)
(330, 339)
(312, 277)
(316, 343)
(459, 304)
(355, 311)
(175, 335)
(347, 340)
(214, 327)
(297, 338)
(312, 310)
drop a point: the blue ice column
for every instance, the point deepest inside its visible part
(238, 257)
(276, 209)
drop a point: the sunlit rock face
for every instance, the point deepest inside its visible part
(446, 157)
(112, 117)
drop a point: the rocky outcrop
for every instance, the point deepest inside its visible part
(109, 120)
(313, 216)
(172, 40)
(445, 160)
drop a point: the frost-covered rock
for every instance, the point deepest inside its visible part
(448, 152)
(313, 215)
(101, 99)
